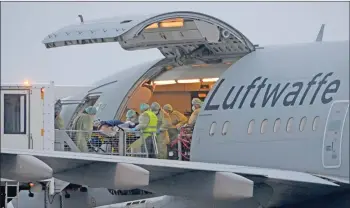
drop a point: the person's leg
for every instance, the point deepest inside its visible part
(150, 148)
(173, 134)
(162, 147)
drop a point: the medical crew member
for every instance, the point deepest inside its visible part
(148, 125)
(164, 123)
(196, 106)
(84, 122)
(177, 120)
(59, 124)
(132, 118)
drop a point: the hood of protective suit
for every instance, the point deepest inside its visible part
(168, 107)
(155, 107)
(144, 107)
(130, 113)
(131, 116)
(196, 101)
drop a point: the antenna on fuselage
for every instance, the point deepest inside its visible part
(81, 18)
(320, 34)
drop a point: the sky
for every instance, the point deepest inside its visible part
(25, 24)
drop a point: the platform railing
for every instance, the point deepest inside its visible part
(122, 142)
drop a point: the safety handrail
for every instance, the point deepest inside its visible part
(118, 141)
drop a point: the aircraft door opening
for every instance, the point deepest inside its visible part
(333, 134)
(15, 119)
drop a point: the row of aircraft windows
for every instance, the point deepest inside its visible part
(264, 125)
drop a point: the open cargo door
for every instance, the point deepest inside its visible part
(175, 34)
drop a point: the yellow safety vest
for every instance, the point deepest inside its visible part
(152, 125)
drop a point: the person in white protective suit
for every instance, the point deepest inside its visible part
(177, 121)
(132, 119)
(84, 126)
(164, 123)
(196, 106)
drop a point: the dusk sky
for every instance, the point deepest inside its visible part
(25, 24)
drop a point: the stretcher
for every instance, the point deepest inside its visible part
(103, 143)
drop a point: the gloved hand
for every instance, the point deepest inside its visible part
(133, 129)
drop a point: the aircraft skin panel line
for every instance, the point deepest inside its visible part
(167, 164)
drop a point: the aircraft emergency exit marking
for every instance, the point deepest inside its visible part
(273, 93)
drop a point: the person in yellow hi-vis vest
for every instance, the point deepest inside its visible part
(164, 123)
(177, 121)
(147, 125)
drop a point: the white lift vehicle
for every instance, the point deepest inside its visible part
(27, 122)
(28, 116)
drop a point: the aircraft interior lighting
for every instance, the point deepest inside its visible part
(152, 26)
(183, 81)
(202, 95)
(171, 24)
(164, 82)
(177, 22)
(210, 79)
(174, 20)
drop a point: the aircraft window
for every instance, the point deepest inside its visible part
(289, 124)
(302, 123)
(212, 129)
(251, 126)
(263, 126)
(225, 128)
(15, 119)
(277, 125)
(315, 123)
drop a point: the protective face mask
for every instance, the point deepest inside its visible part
(193, 108)
(134, 120)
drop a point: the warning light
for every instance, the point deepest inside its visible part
(31, 184)
(26, 82)
(202, 95)
(42, 90)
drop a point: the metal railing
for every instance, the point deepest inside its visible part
(116, 141)
(180, 148)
